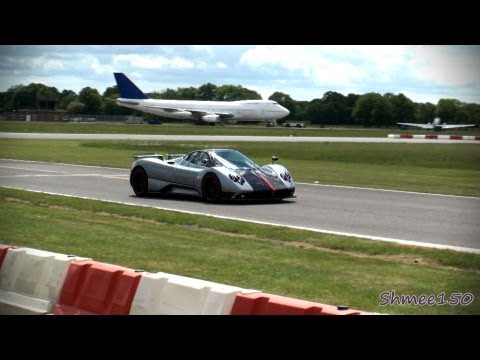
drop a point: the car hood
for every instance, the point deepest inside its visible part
(261, 180)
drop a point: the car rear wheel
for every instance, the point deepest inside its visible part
(211, 188)
(140, 182)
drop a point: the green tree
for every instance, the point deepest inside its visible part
(189, 93)
(111, 92)
(472, 114)
(92, 100)
(424, 112)
(403, 109)
(207, 91)
(168, 94)
(447, 110)
(76, 107)
(300, 107)
(236, 92)
(66, 97)
(313, 110)
(372, 109)
(335, 109)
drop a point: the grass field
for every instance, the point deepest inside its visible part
(190, 129)
(300, 264)
(445, 169)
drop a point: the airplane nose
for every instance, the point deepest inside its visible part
(285, 111)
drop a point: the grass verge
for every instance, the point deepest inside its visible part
(301, 264)
(190, 129)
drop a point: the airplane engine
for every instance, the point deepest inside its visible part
(211, 118)
(182, 114)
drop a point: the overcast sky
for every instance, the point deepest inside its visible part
(423, 73)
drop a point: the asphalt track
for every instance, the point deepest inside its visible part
(189, 138)
(405, 217)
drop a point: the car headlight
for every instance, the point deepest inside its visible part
(286, 176)
(237, 178)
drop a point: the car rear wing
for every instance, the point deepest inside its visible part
(143, 156)
(174, 156)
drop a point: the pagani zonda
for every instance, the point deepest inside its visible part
(212, 174)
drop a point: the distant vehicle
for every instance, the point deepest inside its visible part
(297, 124)
(83, 119)
(436, 125)
(212, 174)
(201, 112)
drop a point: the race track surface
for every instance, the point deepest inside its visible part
(413, 218)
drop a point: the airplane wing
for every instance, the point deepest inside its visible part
(423, 126)
(195, 113)
(453, 126)
(203, 113)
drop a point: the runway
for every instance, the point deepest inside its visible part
(189, 138)
(413, 218)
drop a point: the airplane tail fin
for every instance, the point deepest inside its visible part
(128, 90)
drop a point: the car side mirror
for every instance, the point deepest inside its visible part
(274, 158)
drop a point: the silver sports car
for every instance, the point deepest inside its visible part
(212, 174)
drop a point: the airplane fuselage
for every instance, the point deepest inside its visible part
(244, 110)
(200, 111)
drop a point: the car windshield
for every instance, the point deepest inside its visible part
(233, 158)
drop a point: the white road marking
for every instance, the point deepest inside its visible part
(300, 183)
(387, 190)
(377, 238)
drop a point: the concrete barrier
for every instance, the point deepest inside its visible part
(168, 294)
(269, 304)
(3, 253)
(30, 280)
(92, 288)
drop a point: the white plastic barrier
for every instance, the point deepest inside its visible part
(31, 279)
(168, 294)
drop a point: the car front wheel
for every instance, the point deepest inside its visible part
(211, 188)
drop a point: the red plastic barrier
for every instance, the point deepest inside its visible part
(268, 304)
(91, 287)
(477, 137)
(406, 136)
(456, 137)
(3, 252)
(431, 136)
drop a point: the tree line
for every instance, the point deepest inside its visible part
(369, 110)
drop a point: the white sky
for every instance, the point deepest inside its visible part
(305, 72)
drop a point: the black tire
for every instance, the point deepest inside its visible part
(139, 182)
(298, 126)
(211, 188)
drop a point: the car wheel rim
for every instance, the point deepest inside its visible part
(212, 189)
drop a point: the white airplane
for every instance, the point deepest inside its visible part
(200, 111)
(437, 125)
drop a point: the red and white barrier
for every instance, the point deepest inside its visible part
(31, 279)
(41, 282)
(433, 137)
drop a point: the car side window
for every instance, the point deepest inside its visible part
(191, 158)
(204, 160)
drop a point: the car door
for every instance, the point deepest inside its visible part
(191, 171)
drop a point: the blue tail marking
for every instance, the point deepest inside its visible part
(128, 90)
